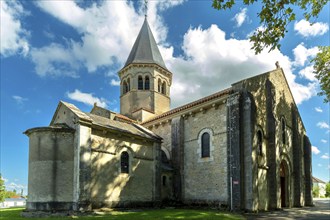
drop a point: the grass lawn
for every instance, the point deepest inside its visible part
(14, 214)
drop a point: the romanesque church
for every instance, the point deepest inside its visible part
(244, 148)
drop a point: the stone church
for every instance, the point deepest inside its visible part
(244, 148)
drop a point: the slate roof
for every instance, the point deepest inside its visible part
(145, 49)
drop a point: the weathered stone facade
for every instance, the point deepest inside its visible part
(244, 147)
(83, 163)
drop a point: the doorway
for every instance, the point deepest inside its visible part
(284, 184)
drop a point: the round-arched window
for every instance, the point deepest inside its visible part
(124, 162)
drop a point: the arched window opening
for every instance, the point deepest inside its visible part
(283, 131)
(164, 180)
(140, 83)
(147, 83)
(164, 88)
(159, 85)
(124, 160)
(128, 85)
(259, 143)
(206, 145)
(125, 87)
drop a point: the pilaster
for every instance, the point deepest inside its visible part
(178, 157)
(234, 154)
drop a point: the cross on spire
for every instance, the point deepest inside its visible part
(146, 8)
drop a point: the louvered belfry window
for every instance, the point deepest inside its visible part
(140, 83)
(147, 83)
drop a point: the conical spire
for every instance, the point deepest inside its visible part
(145, 49)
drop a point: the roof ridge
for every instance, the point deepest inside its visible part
(189, 105)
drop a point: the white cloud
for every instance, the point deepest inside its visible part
(115, 82)
(324, 141)
(260, 28)
(302, 54)
(325, 156)
(308, 74)
(106, 33)
(240, 17)
(16, 186)
(87, 98)
(54, 60)
(323, 124)
(319, 164)
(318, 109)
(306, 29)
(19, 100)
(315, 150)
(211, 63)
(163, 5)
(13, 36)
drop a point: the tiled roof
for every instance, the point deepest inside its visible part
(129, 128)
(76, 111)
(120, 116)
(190, 105)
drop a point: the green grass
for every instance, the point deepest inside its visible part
(158, 214)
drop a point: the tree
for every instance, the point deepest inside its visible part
(316, 191)
(2, 189)
(322, 71)
(327, 190)
(274, 19)
(10, 194)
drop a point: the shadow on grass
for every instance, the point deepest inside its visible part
(166, 214)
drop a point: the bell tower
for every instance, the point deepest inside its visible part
(144, 80)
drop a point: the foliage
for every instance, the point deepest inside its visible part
(327, 190)
(15, 214)
(322, 71)
(2, 189)
(316, 191)
(275, 17)
(11, 194)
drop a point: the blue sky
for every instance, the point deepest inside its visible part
(72, 51)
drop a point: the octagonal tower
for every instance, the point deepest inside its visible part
(144, 80)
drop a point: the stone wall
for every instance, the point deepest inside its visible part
(110, 187)
(135, 100)
(151, 100)
(162, 103)
(51, 172)
(273, 103)
(205, 179)
(234, 150)
(164, 130)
